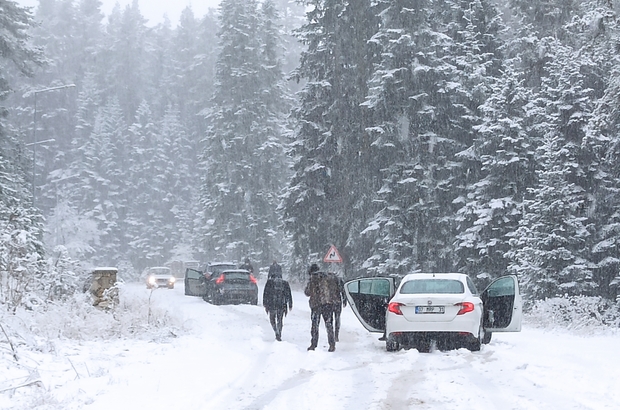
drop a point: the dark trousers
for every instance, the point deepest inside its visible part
(275, 318)
(337, 310)
(327, 311)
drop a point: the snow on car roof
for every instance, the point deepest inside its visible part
(438, 275)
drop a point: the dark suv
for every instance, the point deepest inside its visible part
(196, 279)
(232, 286)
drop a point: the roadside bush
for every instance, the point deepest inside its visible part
(37, 326)
(575, 312)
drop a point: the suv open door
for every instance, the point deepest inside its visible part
(368, 298)
(195, 282)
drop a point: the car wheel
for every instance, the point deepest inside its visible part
(486, 339)
(391, 344)
(474, 342)
(254, 301)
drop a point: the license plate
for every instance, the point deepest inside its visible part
(430, 309)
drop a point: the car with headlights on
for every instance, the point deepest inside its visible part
(159, 276)
(445, 308)
(231, 286)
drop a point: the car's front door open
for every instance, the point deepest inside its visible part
(368, 298)
(503, 306)
(195, 282)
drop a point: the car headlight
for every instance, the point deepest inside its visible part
(151, 280)
(172, 279)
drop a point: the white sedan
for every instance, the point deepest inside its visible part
(444, 308)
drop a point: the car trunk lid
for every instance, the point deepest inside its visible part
(430, 307)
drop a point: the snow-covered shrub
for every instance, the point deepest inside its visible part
(575, 312)
(62, 277)
(75, 318)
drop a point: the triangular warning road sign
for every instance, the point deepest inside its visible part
(332, 256)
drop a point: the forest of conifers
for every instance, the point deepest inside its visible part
(477, 136)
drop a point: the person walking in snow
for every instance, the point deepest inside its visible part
(323, 292)
(247, 266)
(275, 269)
(277, 298)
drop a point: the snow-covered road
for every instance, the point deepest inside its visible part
(227, 358)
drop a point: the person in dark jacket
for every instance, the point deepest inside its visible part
(277, 299)
(323, 291)
(275, 269)
(247, 266)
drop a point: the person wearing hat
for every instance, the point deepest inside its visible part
(247, 266)
(322, 291)
(277, 298)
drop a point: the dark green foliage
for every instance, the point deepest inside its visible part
(330, 194)
(21, 230)
(503, 154)
(243, 159)
(439, 59)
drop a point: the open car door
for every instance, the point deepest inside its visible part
(503, 305)
(194, 282)
(368, 298)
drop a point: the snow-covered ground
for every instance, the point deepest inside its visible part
(225, 357)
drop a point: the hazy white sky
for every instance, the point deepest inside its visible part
(153, 10)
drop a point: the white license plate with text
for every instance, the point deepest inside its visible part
(430, 309)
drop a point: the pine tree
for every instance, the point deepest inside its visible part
(551, 247)
(331, 190)
(504, 154)
(243, 148)
(438, 59)
(21, 230)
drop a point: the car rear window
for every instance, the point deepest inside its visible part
(441, 286)
(237, 276)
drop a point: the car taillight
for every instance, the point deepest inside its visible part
(394, 307)
(220, 279)
(253, 280)
(465, 307)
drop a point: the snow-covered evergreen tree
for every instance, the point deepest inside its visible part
(243, 151)
(551, 248)
(21, 230)
(330, 194)
(438, 59)
(504, 154)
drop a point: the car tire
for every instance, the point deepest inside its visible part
(391, 344)
(475, 342)
(486, 339)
